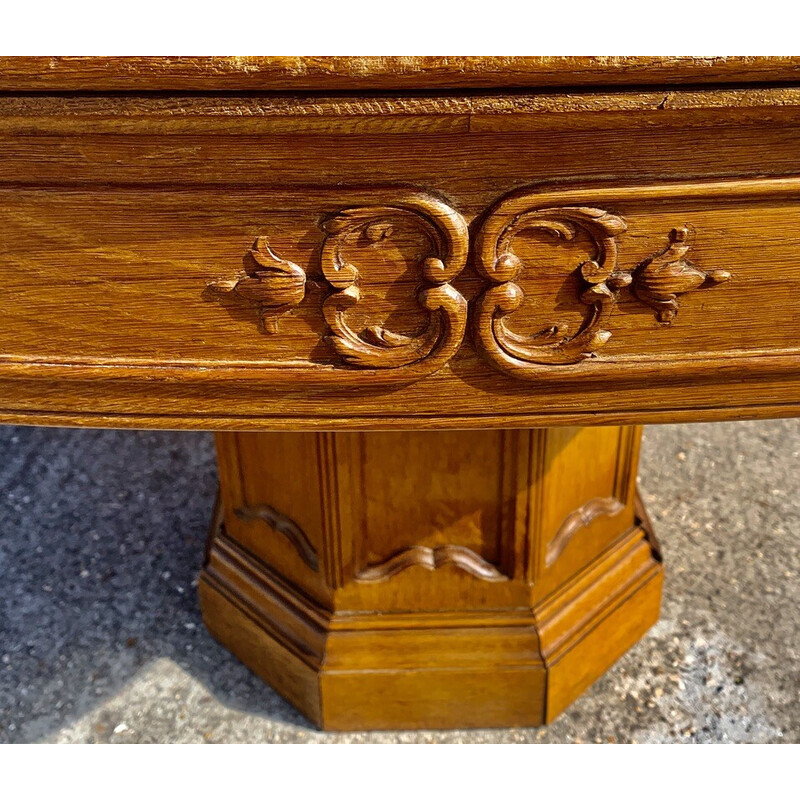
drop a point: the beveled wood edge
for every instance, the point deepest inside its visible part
(549, 608)
(282, 73)
(281, 375)
(311, 422)
(645, 522)
(233, 115)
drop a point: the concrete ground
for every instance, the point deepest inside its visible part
(101, 535)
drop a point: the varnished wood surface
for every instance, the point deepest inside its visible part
(430, 579)
(312, 73)
(418, 114)
(359, 247)
(132, 322)
(426, 259)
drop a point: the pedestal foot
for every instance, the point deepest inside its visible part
(430, 580)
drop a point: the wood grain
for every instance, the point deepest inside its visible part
(580, 518)
(419, 114)
(437, 602)
(408, 271)
(285, 526)
(124, 275)
(281, 73)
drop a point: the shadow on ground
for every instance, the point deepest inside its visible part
(101, 537)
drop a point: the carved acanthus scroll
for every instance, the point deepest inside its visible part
(657, 281)
(599, 277)
(274, 286)
(376, 347)
(377, 355)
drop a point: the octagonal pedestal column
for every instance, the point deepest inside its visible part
(430, 579)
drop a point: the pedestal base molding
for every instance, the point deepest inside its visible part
(481, 665)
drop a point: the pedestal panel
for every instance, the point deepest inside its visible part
(430, 579)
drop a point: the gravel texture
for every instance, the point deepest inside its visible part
(101, 639)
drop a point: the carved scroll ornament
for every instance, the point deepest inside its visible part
(599, 276)
(377, 355)
(275, 286)
(376, 347)
(658, 281)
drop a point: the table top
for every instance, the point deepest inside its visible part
(415, 73)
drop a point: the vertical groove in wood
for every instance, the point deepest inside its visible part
(513, 499)
(357, 469)
(329, 497)
(630, 437)
(517, 463)
(524, 478)
(504, 558)
(335, 493)
(537, 464)
(230, 471)
(237, 449)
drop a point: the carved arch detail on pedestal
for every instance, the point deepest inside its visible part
(432, 558)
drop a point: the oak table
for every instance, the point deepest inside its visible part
(426, 303)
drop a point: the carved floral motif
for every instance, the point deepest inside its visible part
(268, 282)
(658, 281)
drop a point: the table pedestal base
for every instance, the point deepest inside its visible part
(430, 579)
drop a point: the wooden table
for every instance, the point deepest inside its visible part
(426, 304)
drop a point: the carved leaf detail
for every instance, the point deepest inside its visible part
(432, 559)
(270, 283)
(658, 281)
